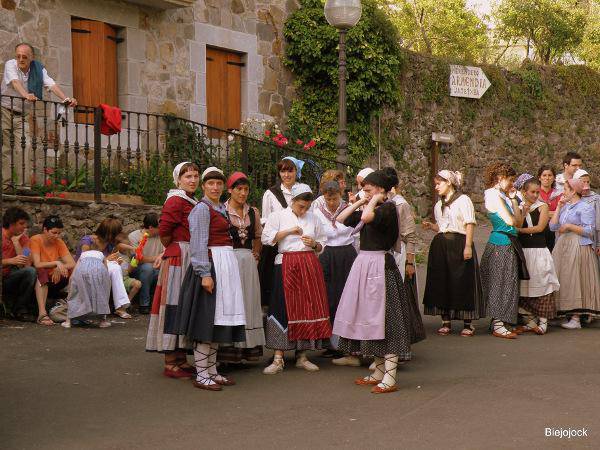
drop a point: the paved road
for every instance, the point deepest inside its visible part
(98, 389)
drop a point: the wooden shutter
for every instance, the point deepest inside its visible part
(223, 89)
(94, 47)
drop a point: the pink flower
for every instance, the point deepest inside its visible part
(63, 182)
(49, 194)
(299, 142)
(306, 147)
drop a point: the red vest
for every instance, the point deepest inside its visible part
(218, 233)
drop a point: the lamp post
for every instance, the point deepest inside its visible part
(343, 15)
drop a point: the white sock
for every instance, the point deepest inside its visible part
(379, 371)
(201, 360)
(389, 378)
(212, 360)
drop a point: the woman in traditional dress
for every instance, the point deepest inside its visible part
(276, 198)
(89, 288)
(574, 257)
(453, 289)
(245, 232)
(503, 258)
(537, 293)
(593, 199)
(374, 317)
(550, 196)
(298, 317)
(174, 234)
(329, 175)
(337, 257)
(211, 303)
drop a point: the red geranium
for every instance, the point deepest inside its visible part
(49, 194)
(267, 133)
(62, 195)
(311, 143)
(48, 182)
(299, 142)
(63, 182)
(49, 171)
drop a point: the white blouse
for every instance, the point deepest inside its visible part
(270, 204)
(336, 237)
(456, 217)
(286, 219)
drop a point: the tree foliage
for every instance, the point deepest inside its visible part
(374, 61)
(589, 49)
(439, 27)
(553, 28)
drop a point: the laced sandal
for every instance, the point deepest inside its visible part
(542, 327)
(468, 332)
(370, 380)
(45, 320)
(122, 313)
(386, 388)
(500, 331)
(174, 371)
(275, 367)
(223, 380)
(206, 383)
(445, 329)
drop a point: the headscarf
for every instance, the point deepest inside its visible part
(379, 178)
(576, 185)
(211, 169)
(176, 171)
(521, 180)
(298, 163)
(455, 178)
(299, 189)
(364, 172)
(580, 173)
(234, 178)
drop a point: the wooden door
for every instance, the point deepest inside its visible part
(223, 89)
(94, 46)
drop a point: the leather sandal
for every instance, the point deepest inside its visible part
(45, 320)
(468, 332)
(174, 371)
(223, 380)
(445, 330)
(369, 382)
(384, 390)
(208, 387)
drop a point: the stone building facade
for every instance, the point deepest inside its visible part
(161, 51)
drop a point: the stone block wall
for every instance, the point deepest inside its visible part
(79, 217)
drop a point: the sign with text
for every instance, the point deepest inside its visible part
(467, 81)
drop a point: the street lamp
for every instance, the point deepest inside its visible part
(343, 15)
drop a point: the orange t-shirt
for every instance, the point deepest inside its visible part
(48, 253)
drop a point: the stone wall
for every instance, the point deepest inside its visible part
(79, 217)
(528, 117)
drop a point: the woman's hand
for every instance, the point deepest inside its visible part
(565, 228)
(467, 253)
(296, 230)
(208, 284)
(62, 269)
(427, 225)
(113, 257)
(379, 198)
(309, 242)
(409, 270)
(157, 261)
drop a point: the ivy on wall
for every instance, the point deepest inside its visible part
(374, 61)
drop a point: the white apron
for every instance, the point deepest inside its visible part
(229, 307)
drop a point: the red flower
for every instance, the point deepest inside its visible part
(311, 143)
(267, 133)
(48, 182)
(62, 195)
(299, 142)
(306, 147)
(63, 182)
(49, 194)
(49, 170)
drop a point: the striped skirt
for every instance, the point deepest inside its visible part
(164, 304)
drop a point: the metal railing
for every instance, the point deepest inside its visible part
(48, 149)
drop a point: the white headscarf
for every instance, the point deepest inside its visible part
(209, 170)
(455, 178)
(176, 171)
(364, 172)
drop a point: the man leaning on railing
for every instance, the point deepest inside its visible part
(23, 77)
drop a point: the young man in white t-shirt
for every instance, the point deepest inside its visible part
(571, 163)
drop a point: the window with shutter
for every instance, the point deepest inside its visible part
(223, 88)
(94, 46)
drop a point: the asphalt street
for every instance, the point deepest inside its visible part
(99, 389)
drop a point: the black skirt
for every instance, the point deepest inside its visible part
(195, 317)
(266, 266)
(336, 263)
(453, 285)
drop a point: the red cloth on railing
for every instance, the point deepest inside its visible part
(111, 119)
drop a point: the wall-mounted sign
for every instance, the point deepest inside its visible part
(467, 81)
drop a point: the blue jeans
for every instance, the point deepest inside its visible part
(148, 275)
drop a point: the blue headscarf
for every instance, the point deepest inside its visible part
(298, 163)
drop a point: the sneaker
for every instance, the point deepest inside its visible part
(304, 363)
(351, 361)
(66, 324)
(572, 324)
(275, 367)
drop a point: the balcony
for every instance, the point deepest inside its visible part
(164, 4)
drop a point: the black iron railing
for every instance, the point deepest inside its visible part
(49, 149)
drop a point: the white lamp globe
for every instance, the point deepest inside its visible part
(343, 14)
